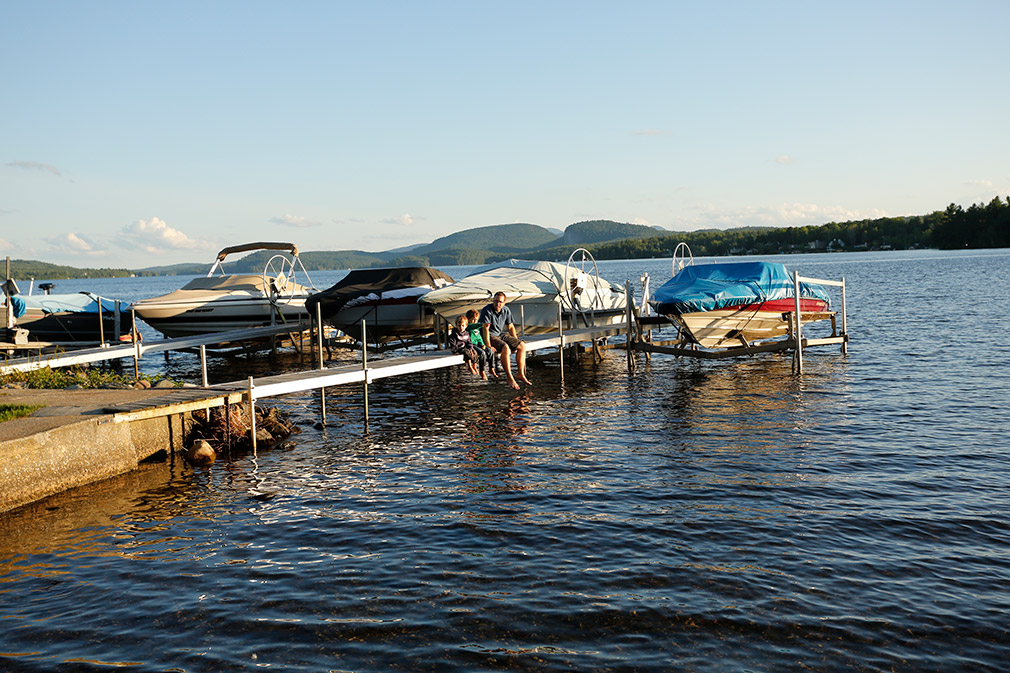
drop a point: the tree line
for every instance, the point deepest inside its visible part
(979, 226)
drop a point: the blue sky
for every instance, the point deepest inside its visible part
(140, 133)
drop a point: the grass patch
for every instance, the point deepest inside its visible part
(85, 377)
(8, 412)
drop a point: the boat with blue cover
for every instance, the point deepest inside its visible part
(727, 305)
(67, 318)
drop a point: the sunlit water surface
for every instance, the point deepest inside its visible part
(693, 515)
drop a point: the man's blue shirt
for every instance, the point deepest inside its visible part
(497, 322)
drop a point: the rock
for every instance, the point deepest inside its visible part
(74, 386)
(189, 385)
(164, 383)
(142, 384)
(201, 453)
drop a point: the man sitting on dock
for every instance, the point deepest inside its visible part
(500, 332)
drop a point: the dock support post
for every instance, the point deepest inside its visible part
(319, 349)
(798, 319)
(227, 424)
(117, 322)
(203, 364)
(101, 324)
(845, 329)
(364, 367)
(136, 344)
(522, 321)
(629, 302)
(252, 415)
(561, 342)
(319, 335)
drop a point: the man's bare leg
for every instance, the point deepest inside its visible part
(521, 363)
(506, 364)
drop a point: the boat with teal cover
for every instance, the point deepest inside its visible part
(736, 304)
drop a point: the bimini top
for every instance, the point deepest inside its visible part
(710, 287)
(364, 285)
(521, 279)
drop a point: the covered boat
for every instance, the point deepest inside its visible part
(386, 299)
(232, 301)
(735, 304)
(68, 318)
(534, 291)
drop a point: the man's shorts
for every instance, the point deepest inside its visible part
(505, 340)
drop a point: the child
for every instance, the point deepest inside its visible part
(478, 341)
(460, 344)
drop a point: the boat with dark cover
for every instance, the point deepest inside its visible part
(386, 299)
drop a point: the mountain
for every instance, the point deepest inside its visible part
(601, 231)
(500, 238)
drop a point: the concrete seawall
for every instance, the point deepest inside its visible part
(73, 441)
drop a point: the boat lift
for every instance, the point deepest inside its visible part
(641, 340)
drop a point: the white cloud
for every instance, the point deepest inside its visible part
(290, 220)
(404, 220)
(785, 160)
(782, 215)
(154, 236)
(645, 223)
(986, 184)
(4, 245)
(35, 166)
(74, 244)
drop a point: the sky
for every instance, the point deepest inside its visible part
(136, 134)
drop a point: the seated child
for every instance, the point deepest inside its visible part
(460, 344)
(477, 340)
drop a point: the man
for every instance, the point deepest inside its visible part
(499, 331)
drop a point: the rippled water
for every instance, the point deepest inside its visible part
(696, 516)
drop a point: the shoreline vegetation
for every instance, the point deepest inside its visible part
(979, 226)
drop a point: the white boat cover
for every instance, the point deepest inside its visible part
(524, 280)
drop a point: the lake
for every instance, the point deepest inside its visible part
(692, 516)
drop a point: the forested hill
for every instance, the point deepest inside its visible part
(24, 269)
(599, 231)
(979, 226)
(503, 238)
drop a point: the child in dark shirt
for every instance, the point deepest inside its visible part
(460, 344)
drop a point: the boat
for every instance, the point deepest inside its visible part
(386, 299)
(728, 305)
(224, 302)
(537, 292)
(72, 317)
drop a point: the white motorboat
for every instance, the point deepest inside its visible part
(219, 303)
(535, 291)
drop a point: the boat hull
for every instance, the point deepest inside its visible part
(73, 327)
(183, 319)
(737, 326)
(386, 320)
(539, 315)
